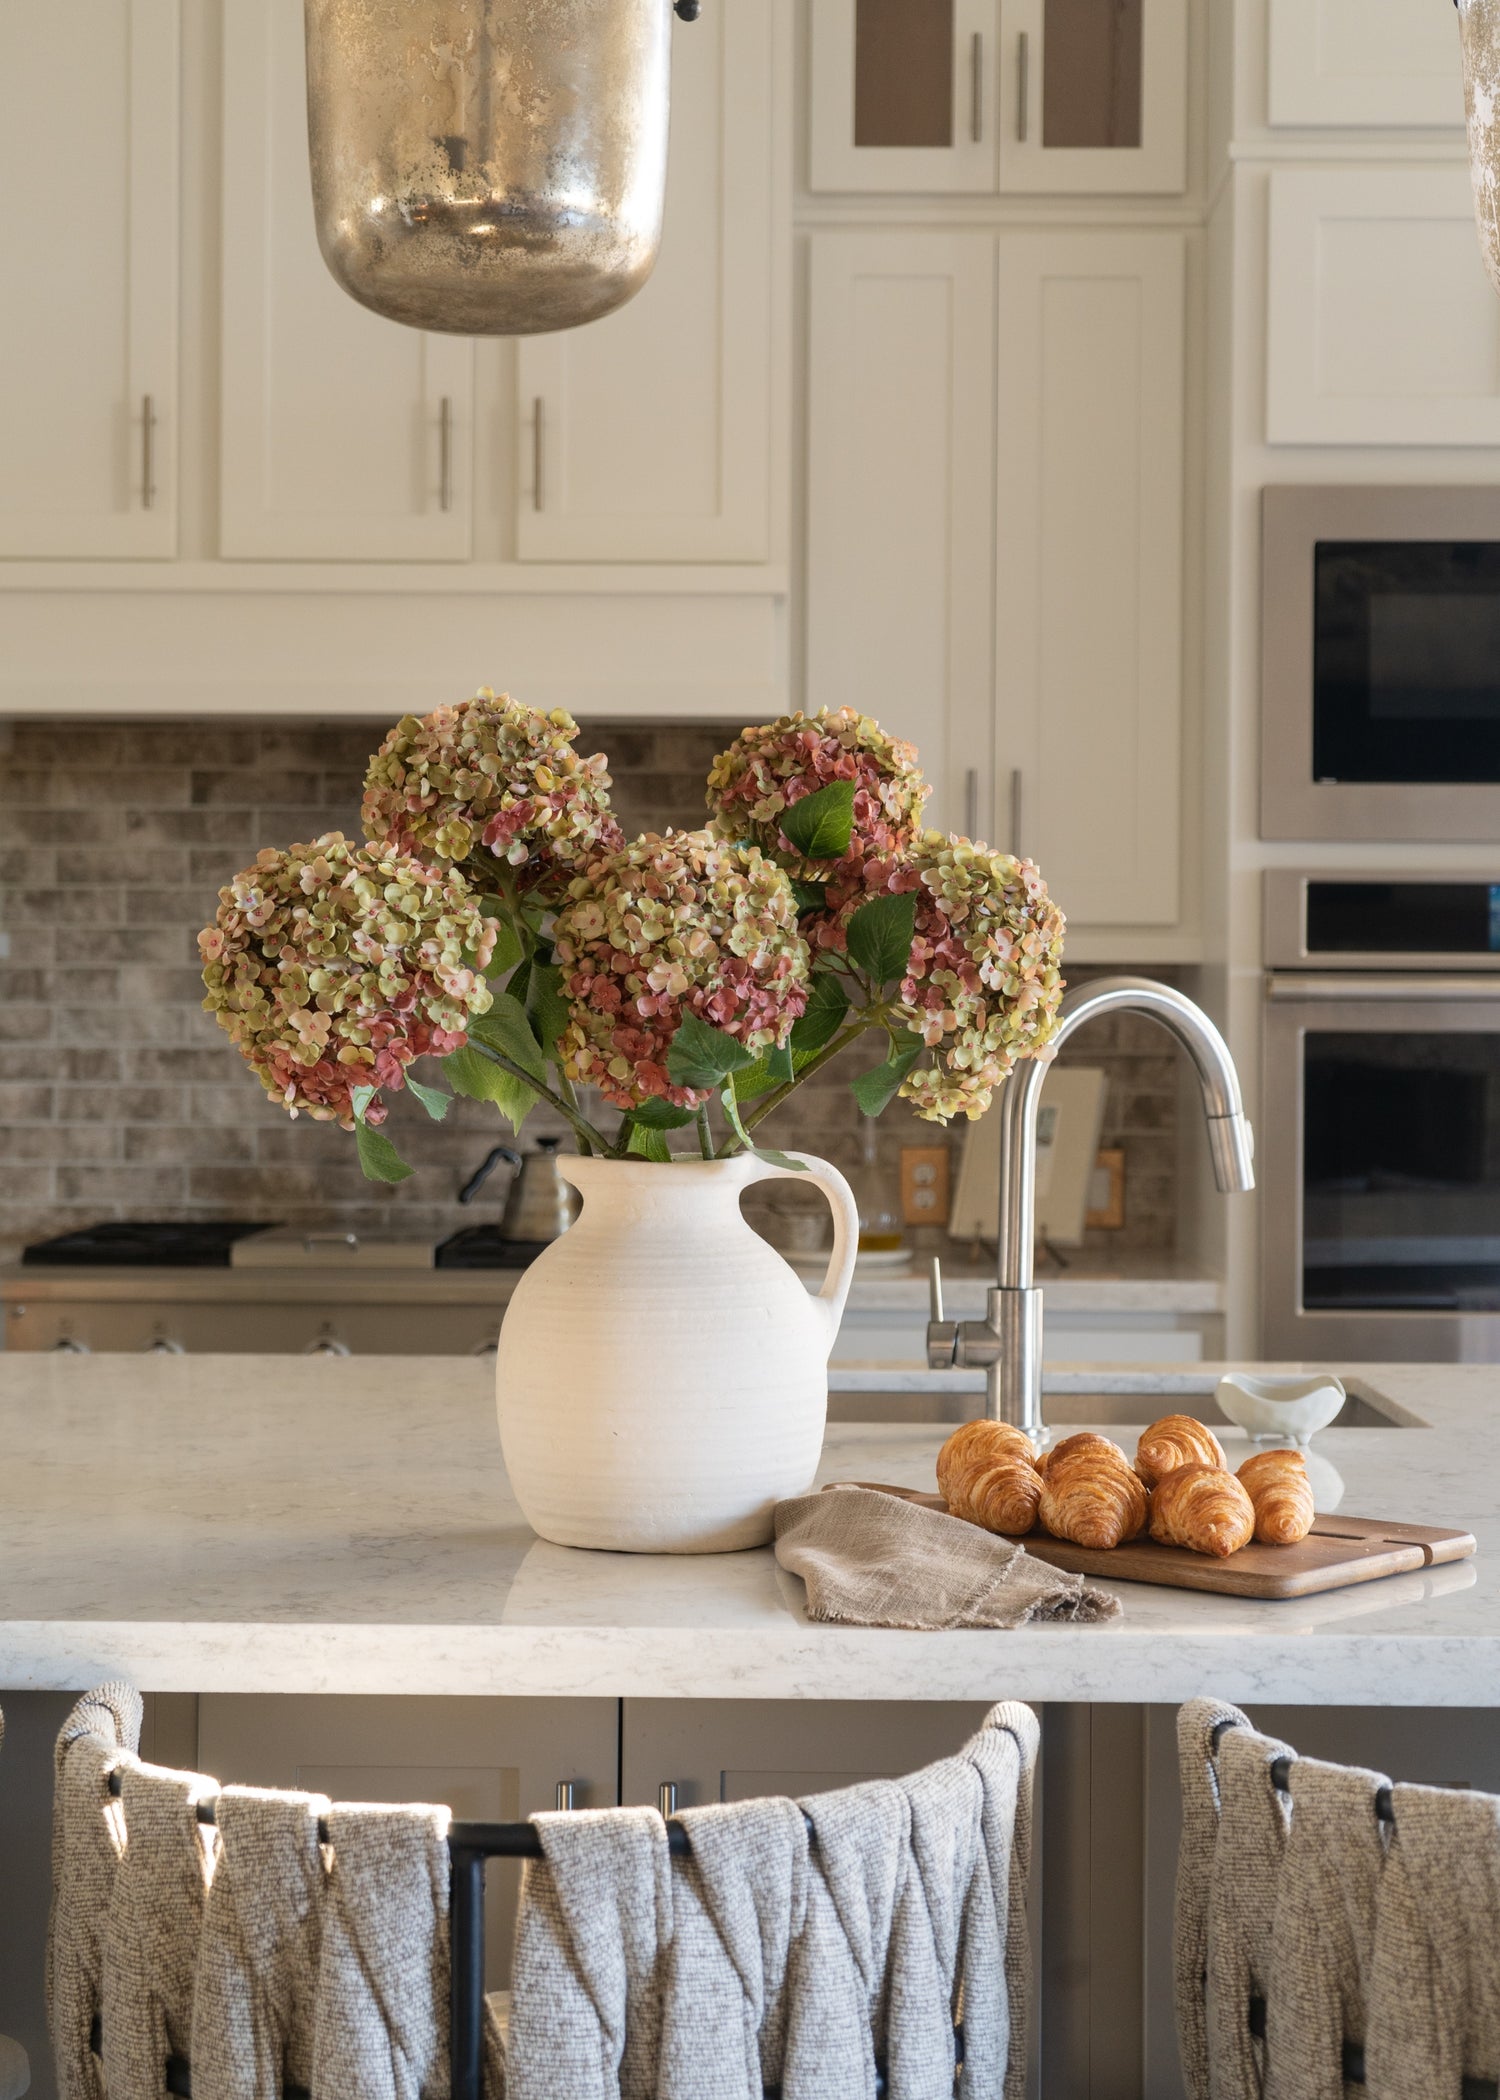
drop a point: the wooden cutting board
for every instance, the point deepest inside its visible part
(1337, 1552)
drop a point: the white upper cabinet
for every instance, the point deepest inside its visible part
(647, 436)
(901, 424)
(88, 349)
(1051, 96)
(1088, 567)
(344, 436)
(1376, 62)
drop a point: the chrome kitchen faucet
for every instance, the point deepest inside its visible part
(1007, 1344)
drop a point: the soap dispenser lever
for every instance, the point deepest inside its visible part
(942, 1334)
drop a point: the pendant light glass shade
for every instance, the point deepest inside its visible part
(1479, 31)
(489, 167)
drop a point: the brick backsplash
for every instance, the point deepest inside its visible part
(120, 1098)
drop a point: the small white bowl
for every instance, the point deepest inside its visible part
(1280, 1407)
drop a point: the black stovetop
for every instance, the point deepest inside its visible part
(199, 1243)
(482, 1247)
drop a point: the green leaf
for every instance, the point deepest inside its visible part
(827, 1004)
(508, 949)
(820, 824)
(779, 1064)
(471, 1074)
(505, 1028)
(521, 981)
(360, 1098)
(546, 1008)
(755, 1080)
(432, 1098)
(880, 936)
(378, 1157)
(810, 896)
(777, 1159)
(657, 1114)
(701, 1056)
(873, 1089)
(648, 1144)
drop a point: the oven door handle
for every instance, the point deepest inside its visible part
(1402, 987)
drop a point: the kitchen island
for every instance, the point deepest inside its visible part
(296, 1525)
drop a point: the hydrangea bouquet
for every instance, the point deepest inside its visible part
(496, 922)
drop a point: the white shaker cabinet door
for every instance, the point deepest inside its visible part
(1088, 617)
(901, 418)
(1364, 62)
(647, 436)
(88, 347)
(903, 97)
(1094, 98)
(344, 436)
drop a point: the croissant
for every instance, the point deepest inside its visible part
(978, 1443)
(1101, 1448)
(1092, 1500)
(1000, 1494)
(1281, 1493)
(1176, 1440)
(1203, 1508)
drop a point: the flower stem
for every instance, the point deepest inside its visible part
(705, 1135)
(586, 1134)
(566, 1094)
(847, 1035)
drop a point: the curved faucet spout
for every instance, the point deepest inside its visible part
(1007, 1343)
(1231, 1139)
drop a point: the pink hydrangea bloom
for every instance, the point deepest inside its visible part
(766, 770)
(670, 925)
(332, 966)
(495, 788)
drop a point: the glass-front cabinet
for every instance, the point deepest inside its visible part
(918, 96)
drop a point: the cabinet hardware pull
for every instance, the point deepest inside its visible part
(565, 1794)
(1023, 86)
(976, 87)
(1017, 786)
(666, 1799)
(148, 453)
(445, 453)
(536, 453)
(971, 803)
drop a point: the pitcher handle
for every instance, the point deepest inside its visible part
(840, 1272)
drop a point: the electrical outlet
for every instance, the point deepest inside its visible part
(924, 1184)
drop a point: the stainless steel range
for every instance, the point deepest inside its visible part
(1381, 1126)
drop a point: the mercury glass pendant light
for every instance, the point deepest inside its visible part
(489, 167)
(1479, 33)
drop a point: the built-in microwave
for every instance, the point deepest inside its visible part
(1379, 1152)
(1380, 663)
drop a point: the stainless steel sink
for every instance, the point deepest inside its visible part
(1125, 1398)
(1360, 1410)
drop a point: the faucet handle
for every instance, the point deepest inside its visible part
(942, 1335)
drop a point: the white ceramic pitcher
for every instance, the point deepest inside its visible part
(662, 1376)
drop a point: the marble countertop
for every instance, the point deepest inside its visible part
(288, 1524)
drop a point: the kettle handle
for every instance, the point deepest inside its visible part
(840, 1271)
(486, 1167)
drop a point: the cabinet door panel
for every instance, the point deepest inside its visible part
(900, 445)
(903, 97)
(1382, 328)
(1089, 564)
(1093, 96)
(489, 1760)
(1364, 62)
(332, 418)
(89, 155)
(654, 436)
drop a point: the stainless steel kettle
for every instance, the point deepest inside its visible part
(541, 1205)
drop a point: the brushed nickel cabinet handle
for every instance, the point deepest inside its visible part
(666, 1799)
(1023, 86)
(971, 803)
(1017, 789)
(148, 453)
(565, 1790)
(976, 87)
(536, 453)
(445, 453)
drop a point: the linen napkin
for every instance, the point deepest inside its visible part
(874, 1560)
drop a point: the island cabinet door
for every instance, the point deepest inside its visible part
(343, 436)
(649, 436)
(489, 1760)
(88, 262)
(900, 499)
(1088, 569)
